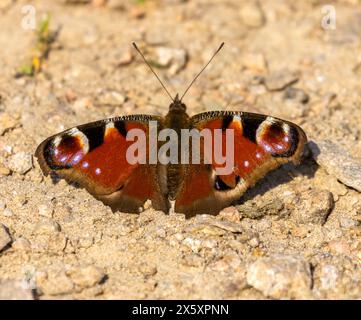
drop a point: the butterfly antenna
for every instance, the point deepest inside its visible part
(199, 73)
(150, 67)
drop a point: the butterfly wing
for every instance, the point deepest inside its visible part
(261, 144)
(94, 156)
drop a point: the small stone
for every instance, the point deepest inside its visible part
(82, 104)
(85, 242)
(8, 212)
(193, 244)
(254, 242)
(110, 98)
(4, 171)
(21, 244)
(252, 15)
(137, 12)
(46, 210)
(227, 225)
(281, 79)
(281, 277)
(174, 59)
(2, 205)
(5, 238)
(338, 162)
(49, 243)
(339, 246)
(54, 284)
(255, 210)
(15, 290)
(230, 214)
(47, 227)
(7, 123)
(192, 260)
(98, 3)
(348, 223)
(328, 277)
(313, 206)
(225, 263)
(255, 62)
(116, 4)
(87, 276)
(21, 162)
(296, 95)
(147, 269)
(70, 95)
(125, 58)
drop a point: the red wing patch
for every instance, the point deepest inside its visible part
(261, 144)
(94, 156)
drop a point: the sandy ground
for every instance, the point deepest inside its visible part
(295, 235)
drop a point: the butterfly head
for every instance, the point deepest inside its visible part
(177, 105)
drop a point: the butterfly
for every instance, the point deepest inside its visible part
(95, 157)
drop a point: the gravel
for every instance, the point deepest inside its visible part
(338, 162)
(281, 277)
(15, 290)
(21, 162)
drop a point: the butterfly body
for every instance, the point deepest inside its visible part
(94, 156)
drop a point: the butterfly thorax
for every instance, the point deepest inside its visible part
(176, 119)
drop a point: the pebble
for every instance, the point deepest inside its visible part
(255, 210)
(348, 223)
(280, 79)
(254, 242)
(86, 276)
(339, 246)
(15, 290)
(175, 59)
(5, 238)
(54, 284)
(2, 205)
(85, 242)
(21, 244)
(227, 225)
(8, 212)
(7, 123)
(193, 244)
(296, 95)
(21, 162)
(46, 210)
(4, 171)
(115, 4)
(281, 277)
(338, 162)
(255, 62)
(147, 269)
(328, 277)
(51, 243)
(192, 260)
(230, 214)
(82, 104)
(252, 15)
(313, 206)
(47, 227)
(110, 98)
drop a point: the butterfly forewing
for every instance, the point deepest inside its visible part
(260, 144)
(94, 156)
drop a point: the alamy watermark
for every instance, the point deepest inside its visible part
(28, 21)
(328, 21)
(218, 147)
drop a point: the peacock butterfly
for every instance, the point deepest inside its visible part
(96, 157)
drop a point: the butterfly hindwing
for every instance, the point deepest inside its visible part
(261, 144)
(94, 156)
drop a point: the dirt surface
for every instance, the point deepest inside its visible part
(296, 234)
